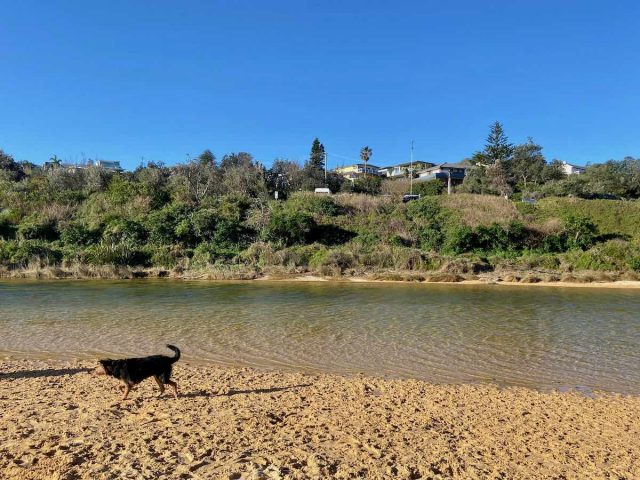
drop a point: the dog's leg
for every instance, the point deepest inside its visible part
(175, 387)
(127, 389)
(159, 385)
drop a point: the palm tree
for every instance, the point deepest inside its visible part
(55, 161)
(365, 155)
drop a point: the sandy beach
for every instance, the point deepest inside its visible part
(61, 422)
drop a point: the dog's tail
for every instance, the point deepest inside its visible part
(176, 350)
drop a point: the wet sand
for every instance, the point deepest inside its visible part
(60, 422)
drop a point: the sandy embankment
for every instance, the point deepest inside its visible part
(59, 422)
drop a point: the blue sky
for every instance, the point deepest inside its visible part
(122, 80)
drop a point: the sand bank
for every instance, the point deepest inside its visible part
(59, 422)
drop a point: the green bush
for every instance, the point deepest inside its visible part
(288, 226)
(210, 253)
(122, 230)
(204, 222)
(498, 238)
(169, 225)
(34, 251)
(7, 250)
(580, 232)
(612, 255)
(459, 239)
(164, 256)
(78, 234)
(314, 204)
(36, 228)
(432, 187)
(424, 210)
(114, 254)
(370, 185)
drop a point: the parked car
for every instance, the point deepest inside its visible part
(408, 197)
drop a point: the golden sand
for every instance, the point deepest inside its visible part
(60, 422)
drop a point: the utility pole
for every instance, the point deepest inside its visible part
(411, 171)
(325, 168)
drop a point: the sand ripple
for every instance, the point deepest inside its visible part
(59, 422)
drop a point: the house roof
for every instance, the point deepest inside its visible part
(463, 164)
(574, 166)
(405, 164)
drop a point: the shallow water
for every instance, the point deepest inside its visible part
(538, 337)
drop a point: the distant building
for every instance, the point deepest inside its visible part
(402, 170)
(357, 170)
(445, 171)
(570, 169)
(111, 165)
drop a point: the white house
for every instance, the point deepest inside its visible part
(570, 169)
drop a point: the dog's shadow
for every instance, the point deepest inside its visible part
(48, 372)
(230, 393)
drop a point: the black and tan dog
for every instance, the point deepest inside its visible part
(134, 370)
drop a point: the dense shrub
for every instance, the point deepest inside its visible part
(580, 232)
(114, 254)
(432, 187)
(611, 255)
(37, 228)
(26, 252)
(314, 204)
(78, 234)
(459, 239)
(288, 226)
(370, 185)
(122, 230)
(163, 225)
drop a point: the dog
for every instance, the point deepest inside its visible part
(132, 371)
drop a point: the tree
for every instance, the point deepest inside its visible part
(528, 163)
(12, 170)
(365, 155)
(369, 185)
(313, 172)
(197, 178)
(497, 147)
(285, 177)
(317, 156)
(498, 177)
(553, 172)
(207, 158)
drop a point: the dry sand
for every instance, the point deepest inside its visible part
(59, 422)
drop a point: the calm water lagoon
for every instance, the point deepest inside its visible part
(540, 337)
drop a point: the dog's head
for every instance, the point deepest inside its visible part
(105, 367)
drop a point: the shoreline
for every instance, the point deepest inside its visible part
(434, 278)
(241, 423)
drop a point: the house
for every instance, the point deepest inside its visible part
(109, 165)
(570, 169)
(401, 170)
(445, 171)
(351, 172)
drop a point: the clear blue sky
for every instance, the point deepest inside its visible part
(122, 80)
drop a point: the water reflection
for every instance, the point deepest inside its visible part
(542, 337)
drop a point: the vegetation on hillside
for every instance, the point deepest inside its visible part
(220, 216)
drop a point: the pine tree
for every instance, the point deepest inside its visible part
(316, 158)
(497, 148)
